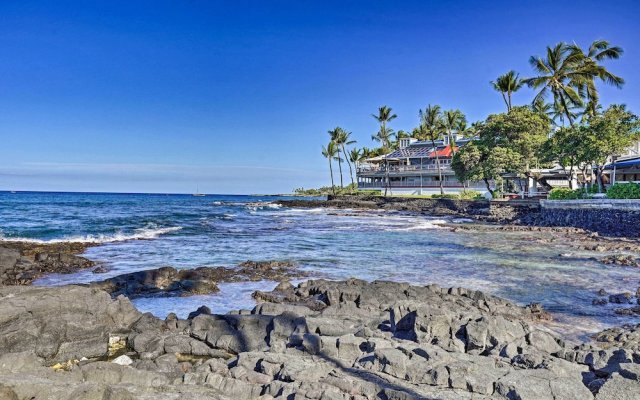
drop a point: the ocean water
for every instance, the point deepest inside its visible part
(143, 231)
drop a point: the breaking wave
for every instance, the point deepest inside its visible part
(146, 233)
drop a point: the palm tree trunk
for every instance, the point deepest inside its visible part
(348, 163)
(505, 101)
(333, 187)
(433, 143)
(566, 109)
(486, 182)
(509, 104)
(340, 167)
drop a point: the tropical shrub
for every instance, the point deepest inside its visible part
(445, 196)
(624, 191)
(468, 194)
(566, 194)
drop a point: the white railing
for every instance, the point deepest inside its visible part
(404, 168)
(471, 185)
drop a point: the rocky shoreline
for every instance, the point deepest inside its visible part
(607, 219)
(23, 262)
(317, 340)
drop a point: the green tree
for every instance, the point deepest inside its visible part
(478, 161)
(452, 120)
(590, 66)
(559, 73)
(330, 152)
(521, 130)
(507, 84)
(608, 135)
(355, 156)
(385, 133)
(566, 148)
(430, 128)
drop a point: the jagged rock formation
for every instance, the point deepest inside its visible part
(169, 281)
(22, 263)
(319, 340)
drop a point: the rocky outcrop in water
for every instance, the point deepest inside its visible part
(169, 281)
(319, 340)
(22, 263)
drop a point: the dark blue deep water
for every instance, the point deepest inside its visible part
(142, 231)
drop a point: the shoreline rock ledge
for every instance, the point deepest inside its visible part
(319, 340)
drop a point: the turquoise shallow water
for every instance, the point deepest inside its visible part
(148, 231)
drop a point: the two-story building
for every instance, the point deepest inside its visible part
(413, 169)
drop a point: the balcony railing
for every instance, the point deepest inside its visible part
(403, 168)
(429, 184)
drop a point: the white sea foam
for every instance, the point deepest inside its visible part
(261, 206)
(139, 234)
(418, 226)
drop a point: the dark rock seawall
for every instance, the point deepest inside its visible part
(606, 217)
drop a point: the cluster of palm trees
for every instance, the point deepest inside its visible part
(566, 72)
(569, 74)
(337, 149)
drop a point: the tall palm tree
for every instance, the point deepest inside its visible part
(507, 84)
(384, 134)
(335, 135)
(341, 138)
(599, 50)
(561, 74)
(355, 156)
(452, 120)
(430, 128)
(330, 152)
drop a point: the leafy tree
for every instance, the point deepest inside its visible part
(608, 135)
(477, 161)
(566, 148)
(507, 84)
(330, 152)
(384, 134)
(520, 130)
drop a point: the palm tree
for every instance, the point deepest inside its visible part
(429, 129)
(561, 74)
(341, 138)
(384, 134)
(542, 108)
(507, 84)
(598, 51)
(334, 134)
(355, 156)
(452, 120)
(330, 153)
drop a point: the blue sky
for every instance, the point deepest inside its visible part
(237, 96)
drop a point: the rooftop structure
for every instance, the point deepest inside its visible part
(413, 169)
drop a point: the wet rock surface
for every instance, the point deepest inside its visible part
(318, 340)
(169, 281)
(21, 263)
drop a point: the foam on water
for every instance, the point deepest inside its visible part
(138, 234)
(189, 232)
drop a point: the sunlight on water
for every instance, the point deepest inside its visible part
(188, 232)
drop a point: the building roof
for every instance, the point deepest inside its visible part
(446, 152)
(625, 163)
